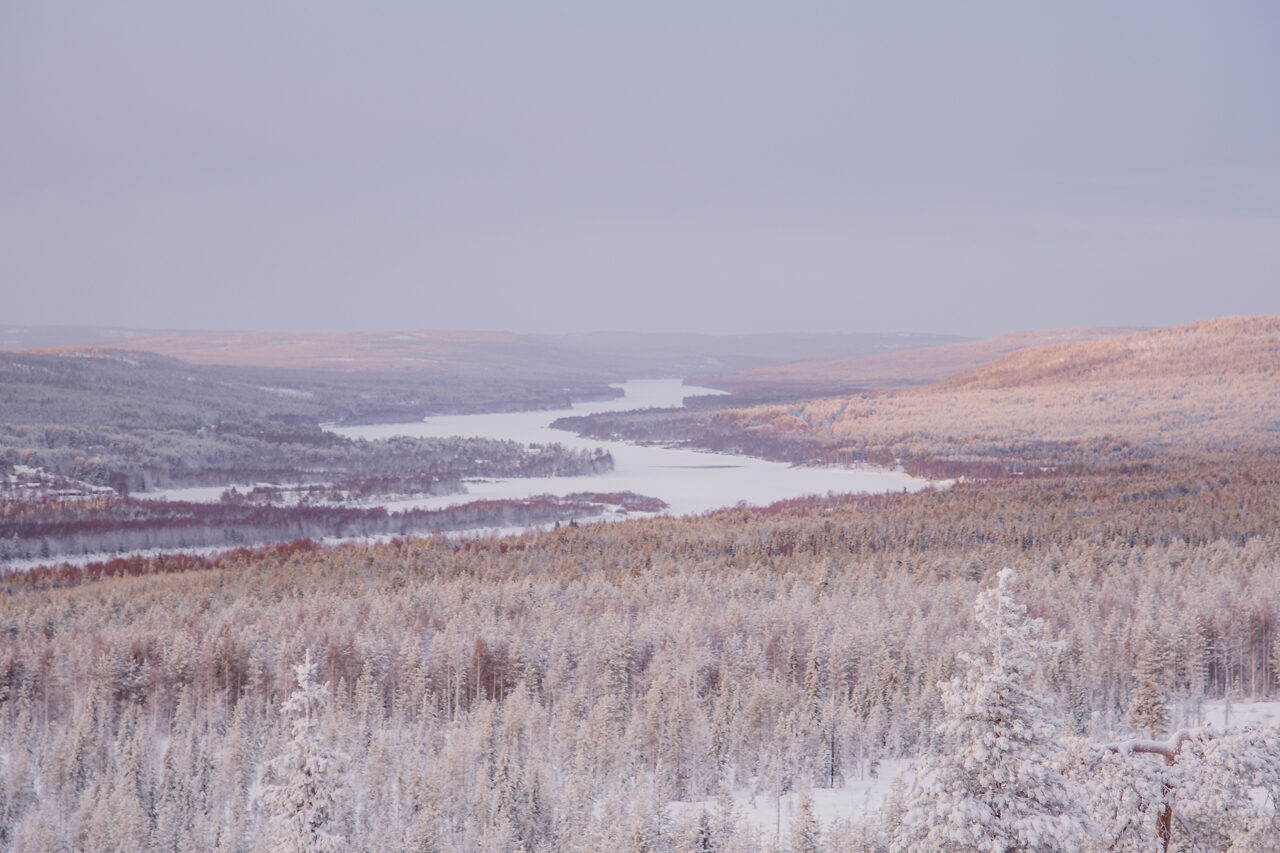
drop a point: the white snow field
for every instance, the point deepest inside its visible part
(768, 815)
(1234, 715)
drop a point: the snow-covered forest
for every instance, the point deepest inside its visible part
(625, 686)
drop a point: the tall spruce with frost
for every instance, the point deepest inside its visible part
(995, 786)
(1148, 711)
(303, 797)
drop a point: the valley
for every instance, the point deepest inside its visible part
(746, 657)
(640, 428)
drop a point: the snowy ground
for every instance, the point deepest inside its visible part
(1234, 715)
(191, 494)
(766, 815)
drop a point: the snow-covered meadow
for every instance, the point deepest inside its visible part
(766, 815)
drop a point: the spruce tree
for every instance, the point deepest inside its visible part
(1147, 709)
(995, 786)
(307, 778)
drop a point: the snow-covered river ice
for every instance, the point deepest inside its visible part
(690, 481)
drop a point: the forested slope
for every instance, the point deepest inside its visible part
(548, 692)
(904, 368)
(1147, 398)
(136, 420)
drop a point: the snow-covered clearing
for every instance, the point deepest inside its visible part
(287, 392)
(190, 494)
(1234, 715)
(766, 814)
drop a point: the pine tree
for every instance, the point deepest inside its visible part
(303, 798)
(1126, 796)
(995, 786)
(1202, 788)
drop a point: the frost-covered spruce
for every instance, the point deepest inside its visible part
(307, 778)
(995, 786)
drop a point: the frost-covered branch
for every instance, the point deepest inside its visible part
(1169, 748)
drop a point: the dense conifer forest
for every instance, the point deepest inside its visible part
(552, 691)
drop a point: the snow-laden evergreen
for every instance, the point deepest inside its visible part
(1199, 789)
(994, 783)
(307, 778)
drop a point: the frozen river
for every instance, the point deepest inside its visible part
(690, 481)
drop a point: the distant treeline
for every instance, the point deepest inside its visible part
(37, 530)
(136, 421)
(699, 428)
(278, 453)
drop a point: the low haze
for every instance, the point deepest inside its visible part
(722, 167)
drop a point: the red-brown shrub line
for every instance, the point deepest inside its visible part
(31, 528)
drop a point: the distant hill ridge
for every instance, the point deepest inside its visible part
(1191, 391)
(333, 350)
(911, 367)
(611, 356)
(1234, 345)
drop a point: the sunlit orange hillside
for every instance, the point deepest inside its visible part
(1206, 388)
(908, 367)
(1241, 346)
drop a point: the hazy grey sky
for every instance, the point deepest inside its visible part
(714, 166)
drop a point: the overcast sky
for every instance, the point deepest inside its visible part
(968, 168)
